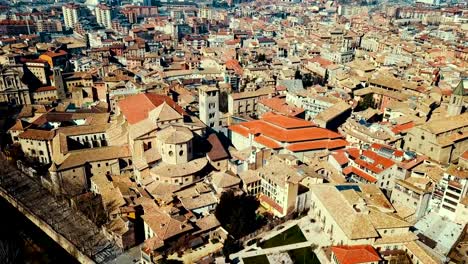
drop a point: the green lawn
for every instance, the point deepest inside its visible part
(291, 236)
(303, 256)
(262, 259)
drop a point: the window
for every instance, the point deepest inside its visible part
(450, 202)
(171, 153)
(448, 208)
(181, 153)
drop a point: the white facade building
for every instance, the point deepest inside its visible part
(71, 13)
(104, 15)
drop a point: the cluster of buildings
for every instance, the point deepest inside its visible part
(353, 115)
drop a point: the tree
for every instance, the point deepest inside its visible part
(231, 246)
(14, 151)
(367, 101)
(308, 80)
(237, 214)
(298, 75)
(223, 102)
(261, 57)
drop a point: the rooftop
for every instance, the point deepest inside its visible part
(355, 254)
(137, 107)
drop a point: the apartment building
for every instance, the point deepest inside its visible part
(49, 25)
(104, 15)
(39, 69)
(312, 104)
(449, 198)
(411, 197)
(245, 103)
(71, 14)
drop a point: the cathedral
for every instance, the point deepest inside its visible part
(12, 89)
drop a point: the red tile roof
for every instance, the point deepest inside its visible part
(284, 121)
(57, 53)
(355, 254)
(270, 202)
(267, 142)
(348, 170)
(323, 62)
(217, 151)
(234, 65)
(46, 88)
(287, 135)
(396, 152)
(465, 155)
(279, 105)
(402, 127)
(136, 107)
(378, 163)
(273, 130)
(240, 130)
(340, 157)
(353, 152)
(36, 134)
(318, 144)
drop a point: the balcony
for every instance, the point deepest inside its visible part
(455, 184)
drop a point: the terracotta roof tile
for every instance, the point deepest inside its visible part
(318, 144)
(348, 170)
(402, 127)
(374, 161)
(279, 105)
(340, 157)
(36, 134)
(265, 199)
(267, 142)
(136, 107)
(355, 254)
(217, 151)
(45, 89)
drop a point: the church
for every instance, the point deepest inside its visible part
(12, 88)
